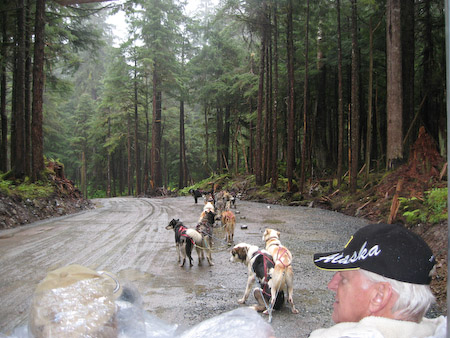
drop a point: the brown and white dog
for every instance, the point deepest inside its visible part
(229, 222)
(260, 265)
(283, 275)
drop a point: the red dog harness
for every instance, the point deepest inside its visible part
(284, 252)
(182, 232)
(265, 284)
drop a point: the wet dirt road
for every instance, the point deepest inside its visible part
(127, 236)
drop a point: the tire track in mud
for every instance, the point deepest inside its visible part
(111, 238)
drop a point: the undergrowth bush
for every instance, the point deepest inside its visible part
(433, 209)
(26, 190)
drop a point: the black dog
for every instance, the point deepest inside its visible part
(196, 193)
(184, 240)
(261, 266)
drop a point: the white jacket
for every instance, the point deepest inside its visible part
(379, 327)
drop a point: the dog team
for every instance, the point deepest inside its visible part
(271, 266)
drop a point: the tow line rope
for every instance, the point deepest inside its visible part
(218, 249)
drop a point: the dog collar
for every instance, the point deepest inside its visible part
(273, 237)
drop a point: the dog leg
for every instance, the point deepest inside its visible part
(189, 251)
(208, 257)
(178, 252)
(290, 289)
(262, 303)
(183, 253)
(199, 255)
(250, 281)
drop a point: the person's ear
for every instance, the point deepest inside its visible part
(381, 297)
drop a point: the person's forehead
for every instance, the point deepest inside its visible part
(350, 274)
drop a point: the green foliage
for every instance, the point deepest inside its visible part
(5, 187)
(26, 190)
(433, 209)
(96, 193)
(437, 204)
(203, 185)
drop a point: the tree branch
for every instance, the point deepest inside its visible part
(73, 2)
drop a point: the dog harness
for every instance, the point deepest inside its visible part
(182, 233)
(284, 252)
(265, 282)
(205, 228)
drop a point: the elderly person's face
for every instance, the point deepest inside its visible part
(352, 296)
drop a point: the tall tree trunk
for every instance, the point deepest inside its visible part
(28, 71)
(129, 156)
(251, 147)
(147, 130)
(206, 138)
(370, 98)
(354, 125)
(267, 103)
(4, 117)
(19, 165)
(156, 131)
(340, 98)
(166, 178)
(394, 101)
(408, 56)
(305, 103)
(290, 116)
(226, 136)
(137, 154)
(108, 169)
(320, 130)
(219, 161)
(181, 171)
(37, 137)
(235, 151)
(274, 167)
(258, 148)
(428, 114)
(84, 174)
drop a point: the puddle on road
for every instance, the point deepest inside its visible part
(198, 290)
(136, 275)
(4, 236)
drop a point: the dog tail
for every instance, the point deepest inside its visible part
(189, 246)
(279, 301)
(195, 235)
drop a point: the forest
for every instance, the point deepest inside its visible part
(292, 90)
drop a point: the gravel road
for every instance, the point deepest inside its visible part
(127, 236)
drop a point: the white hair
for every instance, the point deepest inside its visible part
(413, 299)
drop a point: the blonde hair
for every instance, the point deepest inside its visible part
(413, 300)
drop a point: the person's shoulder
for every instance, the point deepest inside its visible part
(427, 328)
(440, 324)
(347, 330)
(379, 327)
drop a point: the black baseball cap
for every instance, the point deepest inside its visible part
(385, 249)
